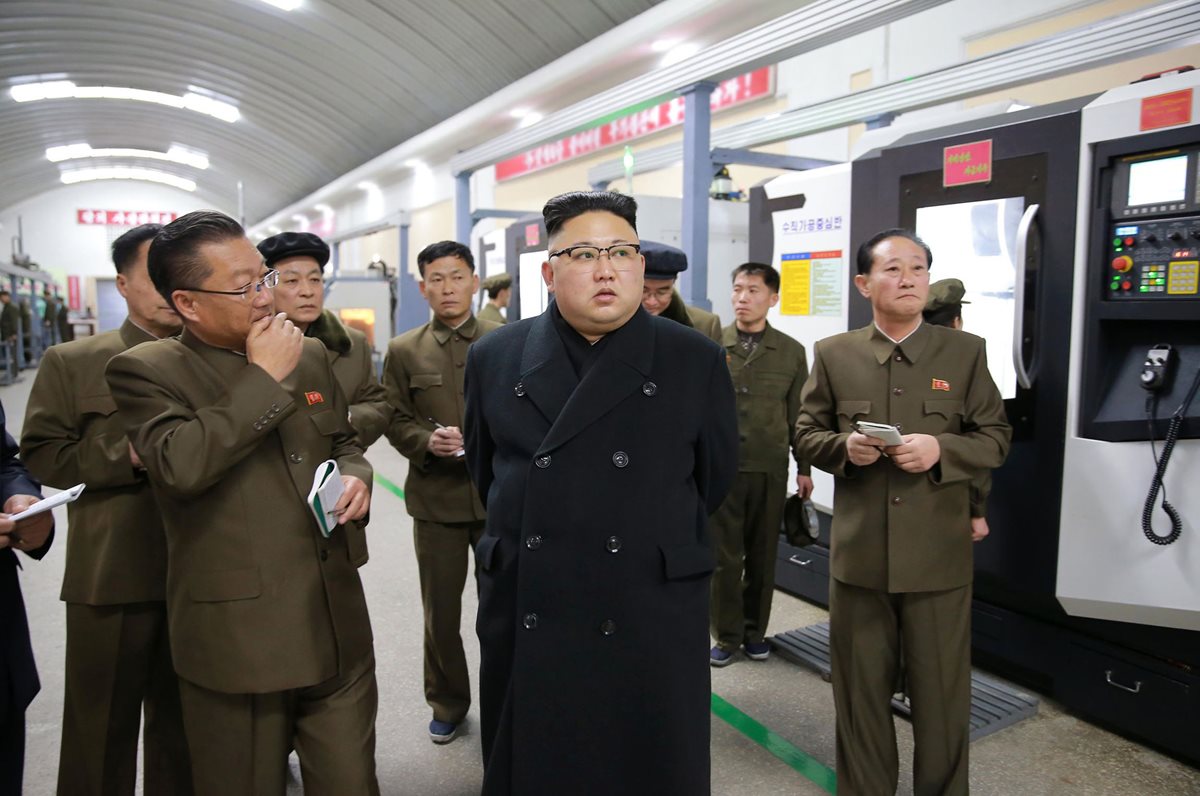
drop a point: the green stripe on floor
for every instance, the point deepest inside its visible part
(389, 486)
(795, 757)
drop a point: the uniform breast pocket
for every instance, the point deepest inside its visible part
(849, 411)
(325, 421)
(424, 381)
(102, 405)
(943, 417)
(774, 385)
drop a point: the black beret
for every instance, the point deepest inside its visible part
(663, 261)
(294, 244)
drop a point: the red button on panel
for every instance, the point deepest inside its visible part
(1126, 285)
(1129, 241)
(1123, 263)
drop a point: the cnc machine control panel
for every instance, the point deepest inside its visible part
(1157, 259)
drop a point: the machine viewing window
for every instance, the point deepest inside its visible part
(974, 242)
(1158, 181)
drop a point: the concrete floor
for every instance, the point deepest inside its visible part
(1053, 753)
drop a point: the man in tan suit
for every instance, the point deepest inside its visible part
(659, 297)
(423, 375)
(901, 555)
(269, 627)
(300, 259)
(114, 585)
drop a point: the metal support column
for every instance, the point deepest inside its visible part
(411, 308)
(462, 208)
(697, 179)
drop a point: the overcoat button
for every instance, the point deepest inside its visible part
(744, 390)
(519, 390)
(542, 461)
(621, 459)
(899, 358)
(613, 544)
(296, 458)
(898, 391)
(324, 555)
(649, 388)
(608, 627)
(530, 621)
(896, 501)
(258, 426)
(533, 542)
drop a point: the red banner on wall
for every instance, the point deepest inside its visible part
(124, 218)
(729, 93)
(74, 301)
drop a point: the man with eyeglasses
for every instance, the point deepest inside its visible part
(300, 259)
(269, 627)
(601, 437)
(423, 376)
(664, 264)
(114, 585)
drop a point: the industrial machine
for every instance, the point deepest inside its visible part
(1076, 230)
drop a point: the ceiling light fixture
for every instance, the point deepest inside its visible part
(176, 154)
(286, 5)
(531, 118)
(415, 163)
(662, 45)
(65, 89)
(126, 173)
(679, 53)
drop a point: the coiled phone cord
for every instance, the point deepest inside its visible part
(1173, 431)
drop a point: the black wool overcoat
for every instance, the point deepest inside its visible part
(594, 568)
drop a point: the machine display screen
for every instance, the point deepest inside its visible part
(1158, 181)
(974, 242)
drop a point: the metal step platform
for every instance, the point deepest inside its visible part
(994, 705)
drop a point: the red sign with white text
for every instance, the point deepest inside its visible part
(966, 164)
(1167, 110)
(124, 218)
(729, 93)
(73, 300)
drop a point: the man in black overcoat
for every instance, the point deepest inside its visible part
(18, 676)
(600, 437)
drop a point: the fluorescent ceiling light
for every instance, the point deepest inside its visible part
(415, 163)
(176, 154)
(274, 230)
(679, 53)
(662, 45)
(368, 186)
(323, 209)
(286, 5)
(65, 89)
(531, 118)
(519, 113)
(126, 173)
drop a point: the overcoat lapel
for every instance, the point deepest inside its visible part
(546, 374)
(620, 369)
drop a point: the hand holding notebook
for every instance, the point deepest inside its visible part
(326, 491)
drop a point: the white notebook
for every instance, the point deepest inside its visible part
(327, 489)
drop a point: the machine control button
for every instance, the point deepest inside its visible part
(1126, 285)
(1124, 263)
(1176, 236)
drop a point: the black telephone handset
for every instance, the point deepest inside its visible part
(1158, 367)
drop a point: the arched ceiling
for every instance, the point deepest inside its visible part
(320, 89)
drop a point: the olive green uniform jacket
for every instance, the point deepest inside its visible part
(9, 317)
(767, 383)
(116, 548)
(257, 599)
(354, 370)
(490, 312)
(895, 531)
(423, 376)
(702, 321)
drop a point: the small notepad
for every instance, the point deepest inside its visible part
(326, 491)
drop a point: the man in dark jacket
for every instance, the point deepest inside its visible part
(600, 437)
(18, 676)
